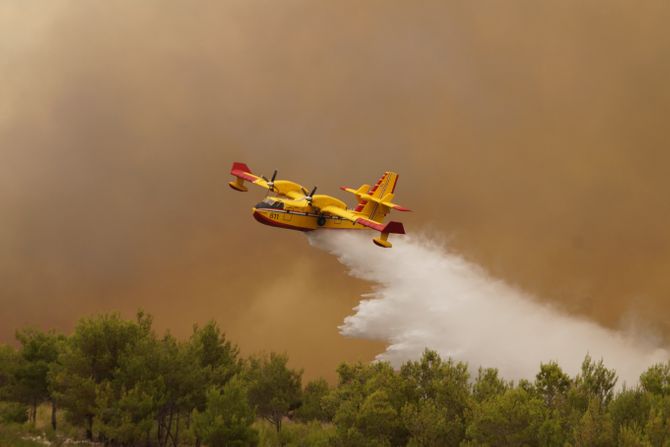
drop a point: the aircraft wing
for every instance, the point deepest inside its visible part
(283, 187)
(391, 227)
(340, 212)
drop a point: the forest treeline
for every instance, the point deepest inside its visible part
(117, 382)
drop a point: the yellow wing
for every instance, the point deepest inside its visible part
(282, 187)
(340, 212)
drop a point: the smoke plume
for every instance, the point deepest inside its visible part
(534, 133)
(428, 297)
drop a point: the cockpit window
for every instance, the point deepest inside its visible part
(271, 203)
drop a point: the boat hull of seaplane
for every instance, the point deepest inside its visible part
(302, 221)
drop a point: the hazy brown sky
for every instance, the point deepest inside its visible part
(531, 135)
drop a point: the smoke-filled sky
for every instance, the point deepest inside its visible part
(532, 136)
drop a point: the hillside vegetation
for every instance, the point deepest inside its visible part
(116, 382)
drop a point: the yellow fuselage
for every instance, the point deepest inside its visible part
(296, 215)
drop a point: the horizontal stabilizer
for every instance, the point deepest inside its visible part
(363, 189)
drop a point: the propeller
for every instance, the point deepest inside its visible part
(309, 196)
(271, 182)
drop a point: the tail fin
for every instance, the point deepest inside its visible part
(384, 186)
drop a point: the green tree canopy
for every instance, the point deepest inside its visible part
(90, 359)
(39, 350)
(9, 362)
(433, 382)
(488, 384)
(595, 381)
(656, 379)
(227, 418)
(552, 384)
(313, 406)
(367, 405)
(513, 418)
(274, 389)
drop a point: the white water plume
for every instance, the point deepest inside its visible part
(426, 297)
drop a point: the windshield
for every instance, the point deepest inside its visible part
(270, 202)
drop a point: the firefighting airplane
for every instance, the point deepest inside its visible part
(289, 205)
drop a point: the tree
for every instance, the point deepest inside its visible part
(181, 387)
(9, 360)
(488, 384)
(213, 361)
(370, 421)
(554, 429)
(124, 417)
(156, 386)
(227, 418)
(595, 382)
(433, 378)
(512, 418)
(10, 411)
(552, 384)
(214, 353)
(377, 418)
(274, 389)
(38, 351)
(657, 427)
(427, 424)
(656, 379)
(595, 428)
(312, 407)
(367, 404)
(629, 409)
(127, 404)
(445, 383)
(90, 359)
(633, 436)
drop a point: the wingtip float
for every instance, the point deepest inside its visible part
(291, 206)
